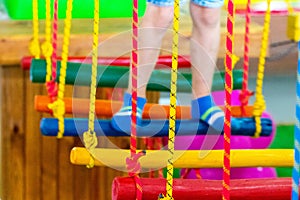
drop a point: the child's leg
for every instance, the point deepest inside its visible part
(122, 119)
(204, 49)
(151, 33)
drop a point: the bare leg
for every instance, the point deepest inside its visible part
(152, 30)
(205, 42)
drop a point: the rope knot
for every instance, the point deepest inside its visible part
(52, 89)
(259, 107)
(90, 141)
(244, 96)
(132, 164)
(34, 48)
(58, 108)
(47, 49)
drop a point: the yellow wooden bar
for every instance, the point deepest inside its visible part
(115, 158)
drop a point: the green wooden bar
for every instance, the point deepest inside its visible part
(115, 76)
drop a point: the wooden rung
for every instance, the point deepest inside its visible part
(106, 108)
(153, 128)
(117, 77)
(116, 158)
(123, 188)
(163, 61)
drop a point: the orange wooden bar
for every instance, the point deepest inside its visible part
(106, 108)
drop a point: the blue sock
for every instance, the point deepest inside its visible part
(204, 108)
(121, 121)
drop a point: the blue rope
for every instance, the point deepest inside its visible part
(295, 184)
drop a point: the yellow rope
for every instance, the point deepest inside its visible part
(89, 137)
(34, 46)
(58, 106)
(289, 6)
(172, 118)
(260, 104)
(47, 46)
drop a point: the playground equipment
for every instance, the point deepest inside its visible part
(226, 107)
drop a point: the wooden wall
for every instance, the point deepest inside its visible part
(37, 167)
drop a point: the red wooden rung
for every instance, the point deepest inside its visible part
(163, 61)
(195, 189)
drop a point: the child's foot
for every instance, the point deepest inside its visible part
(205, 109)
(121, 121)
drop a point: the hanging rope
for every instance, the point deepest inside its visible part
(52, 85)
(260, 104)
(34, 46)
(172, 116)
(58, 106)
(47, 46)
(245, 93)
(289, 6)
(228, 91)
(133, 166)
(295, 174)
(89, 137)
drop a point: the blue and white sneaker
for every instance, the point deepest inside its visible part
(121, 121)
(205, 109)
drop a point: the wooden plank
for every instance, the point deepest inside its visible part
(13, 160)
(65, 168)
(50, 168)
(115, 35)
(102, 193)
(82, 177)
(33, 165)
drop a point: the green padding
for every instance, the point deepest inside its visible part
(284, 139)
(80, 74)
(22, 9)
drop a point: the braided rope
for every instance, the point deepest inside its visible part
(47, 46)
(133, 165)
(228, 91)
(89, 137)
(134, 60)
(245, 93)
(34, 46)
(58, 106)
(172, 116)
(260, 104)
(289, 6)
(52, 85)
(295, 174)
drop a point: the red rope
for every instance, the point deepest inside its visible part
(188, 170)
(134, 59)
(133, 172)
(52, 85)
(228, 91)
(245, 93)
